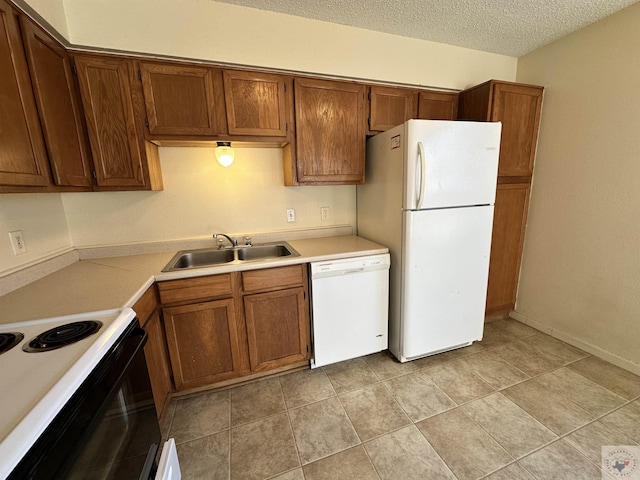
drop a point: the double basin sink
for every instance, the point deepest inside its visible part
(211, 257)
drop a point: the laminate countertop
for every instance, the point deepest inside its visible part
(116, 282)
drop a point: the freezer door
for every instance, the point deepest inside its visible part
(450, 164)
(445, 272)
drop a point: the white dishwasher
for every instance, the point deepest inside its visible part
(350, 308)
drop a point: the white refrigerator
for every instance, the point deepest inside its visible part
(428, 196)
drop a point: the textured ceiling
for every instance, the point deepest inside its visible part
(509, 27)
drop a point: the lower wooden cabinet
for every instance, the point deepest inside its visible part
(228, 326)
(509, 222)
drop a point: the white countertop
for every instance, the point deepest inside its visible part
(116, 282)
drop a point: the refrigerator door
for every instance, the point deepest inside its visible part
(444, 281)
(450, 164)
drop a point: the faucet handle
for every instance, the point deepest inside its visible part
(220, 241)
(247, 241)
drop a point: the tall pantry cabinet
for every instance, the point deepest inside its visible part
(518, 107)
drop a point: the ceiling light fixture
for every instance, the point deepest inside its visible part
(224, 153)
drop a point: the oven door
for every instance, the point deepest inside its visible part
(108, 429)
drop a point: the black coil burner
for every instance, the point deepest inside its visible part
(9, 340)
(62, 336)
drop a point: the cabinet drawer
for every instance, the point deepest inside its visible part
(190, 289)
(259, 280)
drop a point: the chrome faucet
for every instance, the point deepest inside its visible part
(232, 241)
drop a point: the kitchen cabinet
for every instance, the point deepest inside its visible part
(330, 133)
(518, 107)
(433, 105)
(390, 106)
(258, 104)
(181, 99)
(112, 103)
(23, 155)
(155, 350)
(277, 316)
(229, 326)
(59, 105)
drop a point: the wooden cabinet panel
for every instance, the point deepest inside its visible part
(194, 289)
(203, 342)
(122, 159)
(58, 101)
(330, 133)
(157, 358)
(277, 328)
(23, 156)
(390, 107)
(438, 105)
(270, 278)
(509, 222)
(257, 103)
(180, 99)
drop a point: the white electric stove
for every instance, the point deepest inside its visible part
(34, 386)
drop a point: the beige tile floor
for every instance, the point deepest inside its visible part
(518, 405)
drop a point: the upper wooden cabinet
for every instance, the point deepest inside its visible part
(257, 104)
(58, 101)
(390, 106)
(111, 100)
(434, 105)
(330, 133)
(23, 156)
(181, 99)
(518, 107)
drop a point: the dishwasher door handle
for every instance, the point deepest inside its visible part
(355, 270)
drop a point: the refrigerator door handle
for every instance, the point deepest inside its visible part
(420, 166)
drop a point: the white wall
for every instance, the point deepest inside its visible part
(53, 12)
(581, 266)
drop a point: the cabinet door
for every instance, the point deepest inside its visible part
(58, 101)
(277, 328)
(330, 132)
(518, 108)
(179, 99)
(509, 222)
(23, 156)
(203, 343)
(438, 105)
(117, 146)
(390, 107)
(257, 103)
(155, 352)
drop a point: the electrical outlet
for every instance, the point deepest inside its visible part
(17, 242)
(324, 213)
(291, 215)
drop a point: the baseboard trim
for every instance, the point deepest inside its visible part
(587, 347)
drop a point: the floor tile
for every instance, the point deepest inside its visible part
(590, 439)
(432, 360)
(405, 454)
(385, 366)
(349, 375)
(513, 428)
(499, 332)
(418, 396)
(465, 447)
(306, 386)
(626, 419)
(263, 448)
(613, 378)
(554, 411)
(581, 391)
(460, 384)
(560, 461)
(510, 472)
(206, 457)
(348, 464)
(555, 348)
(493, 370)
(200, 416)
(295, 474)
(256, 400)
(322, 429)
(373, 411)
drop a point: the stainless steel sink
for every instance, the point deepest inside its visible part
(209, 257)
